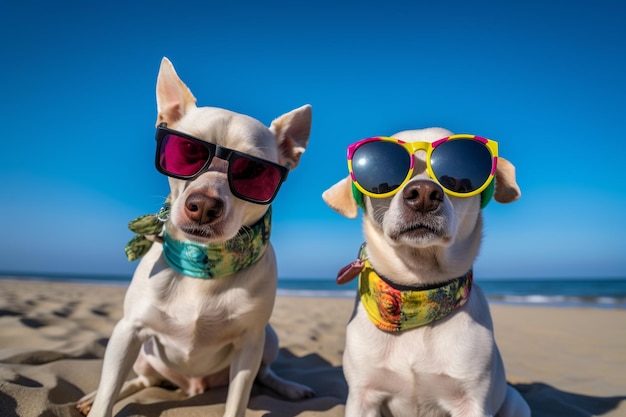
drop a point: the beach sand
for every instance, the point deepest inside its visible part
(566, 362)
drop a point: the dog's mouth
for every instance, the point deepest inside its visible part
(417, 231)
(201, 234)
(421, 229)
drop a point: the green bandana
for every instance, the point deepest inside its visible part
(198, 260)
(219, 259)
(148, 228)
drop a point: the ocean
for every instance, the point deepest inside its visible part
(591, 292)
(563, 292)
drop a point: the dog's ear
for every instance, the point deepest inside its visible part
(507, 189)
(173, 96)
(292, 131)
(339, 198)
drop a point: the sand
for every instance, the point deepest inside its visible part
(566, 362)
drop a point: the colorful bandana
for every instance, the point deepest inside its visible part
(219, 259)
(394, 308)
(148, 229)
(197, 260)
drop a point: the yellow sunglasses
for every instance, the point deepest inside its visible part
(463, 165)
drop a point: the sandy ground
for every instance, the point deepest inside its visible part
(566, 362)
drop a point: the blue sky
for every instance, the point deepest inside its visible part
(545, 79)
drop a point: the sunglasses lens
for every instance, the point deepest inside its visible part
(181, 156)
(254, 180)
(461, 165)
(380, 167)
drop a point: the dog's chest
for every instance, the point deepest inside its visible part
(194, 320)
(195, 315)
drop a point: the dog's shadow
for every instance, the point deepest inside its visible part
(326, 380)
(547, 401)
(331, 392)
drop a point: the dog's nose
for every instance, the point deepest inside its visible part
(423, 196)
(203, 209)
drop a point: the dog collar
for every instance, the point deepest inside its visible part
(394, 308)
(219, 259)
(194, 259)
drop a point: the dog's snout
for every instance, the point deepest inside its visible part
(203, 209)
(424, 196)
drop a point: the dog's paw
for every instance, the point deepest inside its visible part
(291, 390)
(84, 404)
(83, 408)
(295, 391)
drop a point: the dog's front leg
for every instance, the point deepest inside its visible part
(120, 354)
(243, 371)
(363, 404)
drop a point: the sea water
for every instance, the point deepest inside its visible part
(592, 292)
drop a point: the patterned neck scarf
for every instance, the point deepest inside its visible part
(394, 308)
(219, 259)
(194, 259)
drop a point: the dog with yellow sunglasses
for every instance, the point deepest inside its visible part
(421, 341)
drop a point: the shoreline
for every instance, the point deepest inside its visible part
(287, 288)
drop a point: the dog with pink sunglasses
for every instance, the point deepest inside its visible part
(421, 341)
(196, 312)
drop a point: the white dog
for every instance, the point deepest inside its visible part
(196, 312)
(421, 340)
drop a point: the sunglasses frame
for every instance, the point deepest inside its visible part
(428, 147)
(220, 152)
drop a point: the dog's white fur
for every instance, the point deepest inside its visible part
(200, 333)
(451, 367)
